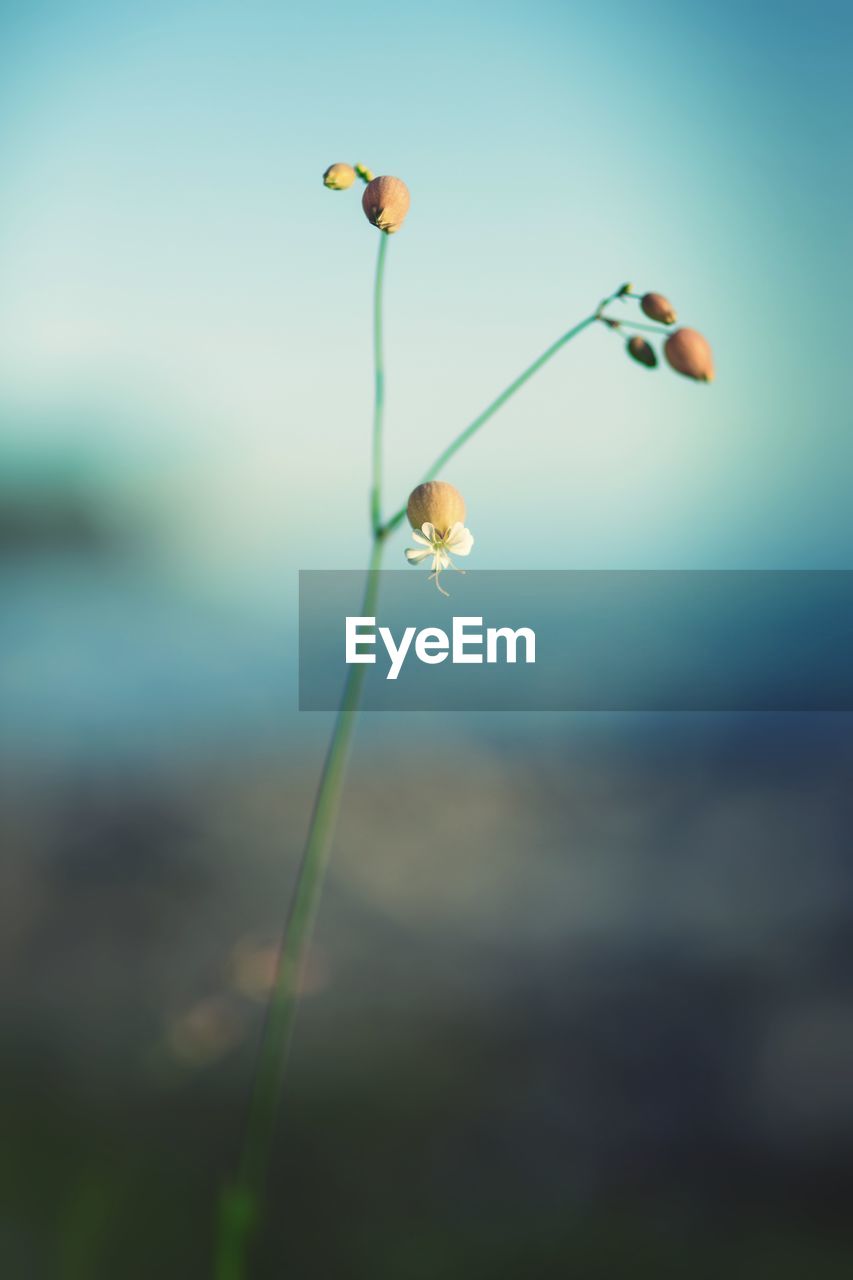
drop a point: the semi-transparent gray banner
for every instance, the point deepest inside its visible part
(580, 641)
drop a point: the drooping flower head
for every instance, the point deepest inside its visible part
(659, 308)
(436, 513)
(338, 177)
(689, 353)
(386, 202)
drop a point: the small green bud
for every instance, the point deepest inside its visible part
(338, 177)
(640, 350)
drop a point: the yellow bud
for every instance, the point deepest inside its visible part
(436, 503)
(689, 353)
(338, 177)
(640, 350)
(659, 308)
(386, 203)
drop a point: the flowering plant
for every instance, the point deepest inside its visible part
(436, 512)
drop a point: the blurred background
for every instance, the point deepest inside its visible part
(580, 995)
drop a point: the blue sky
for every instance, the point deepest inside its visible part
(185, 309)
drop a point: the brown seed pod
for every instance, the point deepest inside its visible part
(689, 353)
(659, 308)
(338, 177)
(436, 503)
(386, 203)
(640, 350)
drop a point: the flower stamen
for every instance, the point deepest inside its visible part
(432, 542)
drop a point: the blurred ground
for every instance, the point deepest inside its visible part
(580, 1003)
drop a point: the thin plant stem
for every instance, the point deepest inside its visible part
(240, 1205)
(507, 394)
(635, 324)
(379, 388)
(241, 1202)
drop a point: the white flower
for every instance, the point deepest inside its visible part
(458, 539)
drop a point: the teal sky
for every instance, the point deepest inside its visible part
(184, 310)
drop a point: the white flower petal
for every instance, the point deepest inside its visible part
(460, 540)
(419, 537)
(441, 559)
(429, 531)
(415, 555)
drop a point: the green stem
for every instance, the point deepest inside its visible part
(240, 1206)
(507, 394)
(635, 324)
(379, 389)
(241, 1202)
